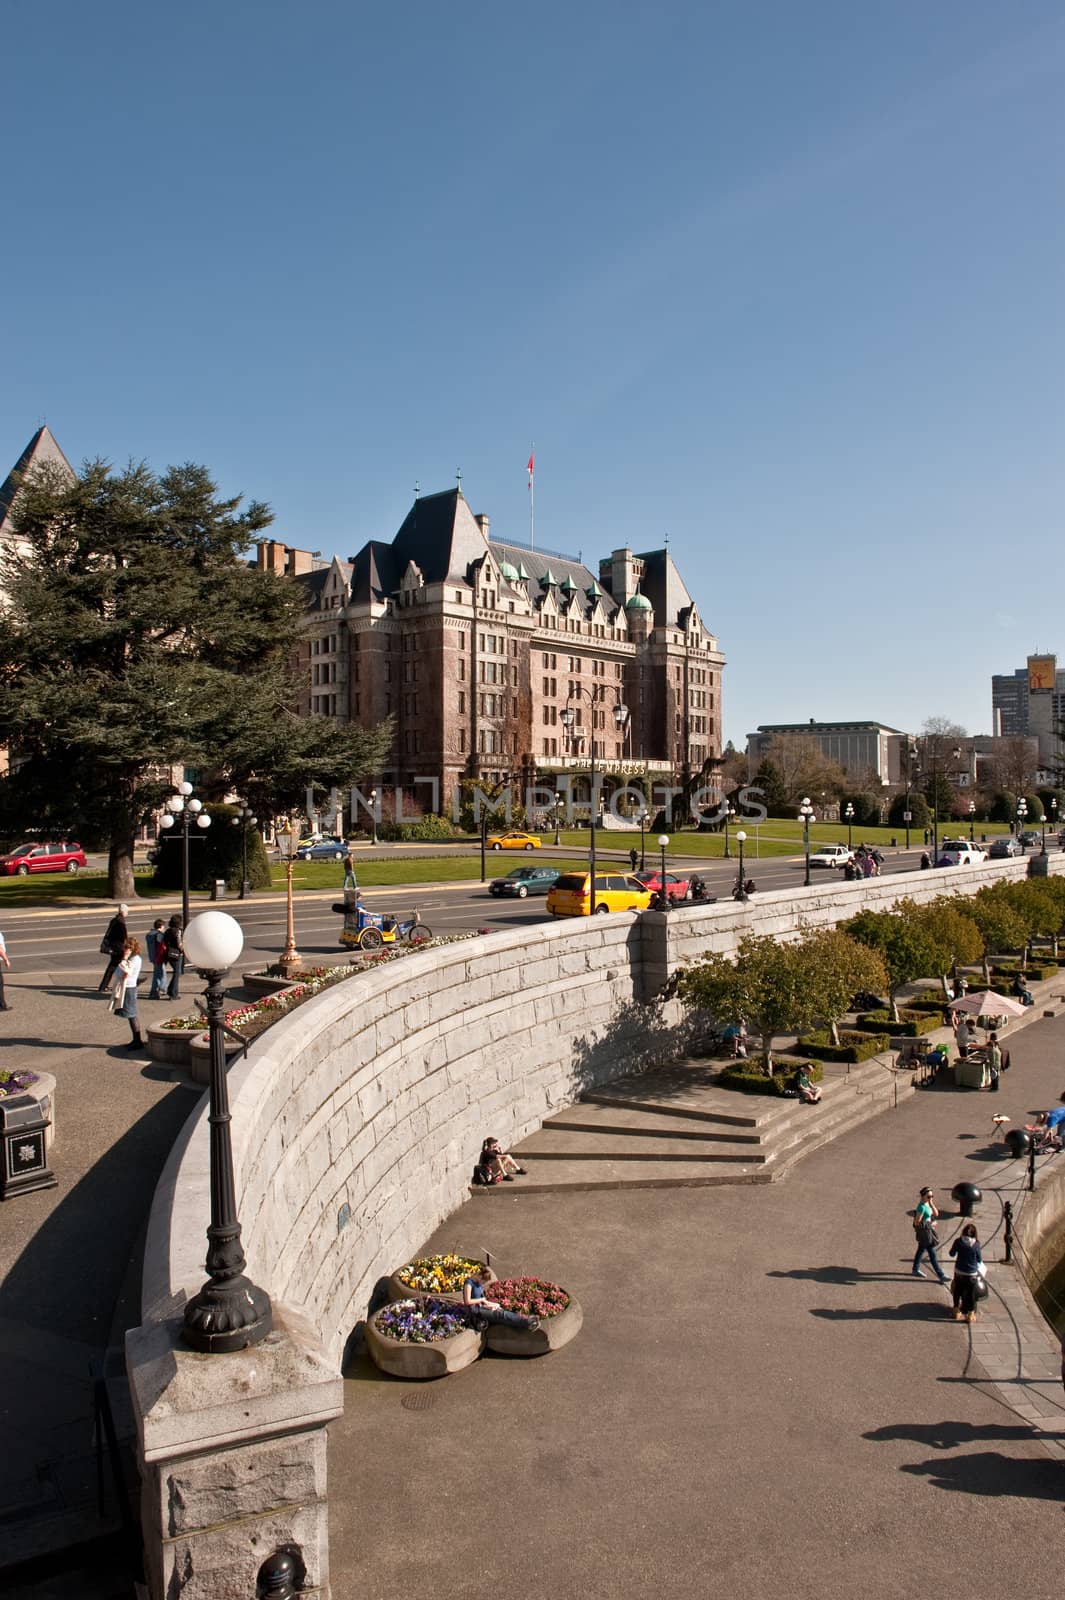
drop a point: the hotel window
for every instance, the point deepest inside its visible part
(462, 702)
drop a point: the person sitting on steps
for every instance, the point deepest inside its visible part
(806, 1089)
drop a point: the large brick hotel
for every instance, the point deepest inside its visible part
(474, 646)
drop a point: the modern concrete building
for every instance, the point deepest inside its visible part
(476, 645)
(858, 747)
(1031, 700)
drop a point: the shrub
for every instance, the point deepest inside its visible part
(746, 1077)
(925, 1003)
(911, 1024)
(852, 1047)
(427, 829)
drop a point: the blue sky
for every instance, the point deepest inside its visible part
(782, 281)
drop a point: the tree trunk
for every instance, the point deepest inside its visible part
(767, 1054)
(833, 1029)
(893, 1005)
(120, 884)
(987, 971)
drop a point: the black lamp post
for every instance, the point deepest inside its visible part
(806, 811)
(663, 845)
(229, 1312)
(568, 718)
(741, 881)
(730, 811)
(911, 762)
(1022, 818)
(1053, 811)
(643, 831)
(373, 816)
(972, 820)
(849, 814)
(244, 820)
(185, 806)
(558, 817)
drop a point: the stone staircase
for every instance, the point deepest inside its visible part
(672, 1127)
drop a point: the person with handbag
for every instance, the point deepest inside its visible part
(124, 1003)
(112, 944)
(4, 962)
(968, 1265)
(924, 1226)
(174, 956)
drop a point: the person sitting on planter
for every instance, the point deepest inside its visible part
(1022, 991)
(1046, 1129)
(806, 1089)
(482, 1311)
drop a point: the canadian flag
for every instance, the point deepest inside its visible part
(529, 468)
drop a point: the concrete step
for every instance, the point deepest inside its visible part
(588, 1175)
(640, 1123)
(850, 1114)
(552, 1144)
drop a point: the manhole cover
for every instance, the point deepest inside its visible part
(420, 1400)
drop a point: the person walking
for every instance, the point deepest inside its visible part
(634, 856)
(924, 1221)
(4, 962)
(967, 1263)
(155, 947)
(174, 956)
(350, 880)
(127, 976)
(112, 945)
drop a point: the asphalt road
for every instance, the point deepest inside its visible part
(64, 943)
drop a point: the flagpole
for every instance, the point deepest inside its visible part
(532, 498)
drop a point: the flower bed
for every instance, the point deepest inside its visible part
(40, 1086)
(421, 1339)
(436, 1275)
(12, 1083)
(561, 1317)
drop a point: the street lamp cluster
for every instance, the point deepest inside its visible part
(185, 807)
(806, 812)
(244, 820)
(568, 718)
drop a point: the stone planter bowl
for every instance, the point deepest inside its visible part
(552, 1334)
(422, 1361)
(43, 1091)
(171, 1045)
(396, 1289)
(200, 1056)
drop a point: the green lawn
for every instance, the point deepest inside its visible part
(46, 888)
(774, 837)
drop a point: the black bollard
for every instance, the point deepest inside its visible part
(967, 1195)
(1018, 1142)
(277, 1577)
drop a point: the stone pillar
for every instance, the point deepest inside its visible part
(657, 960)
(232, 1454)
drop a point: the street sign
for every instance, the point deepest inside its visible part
(907, 816)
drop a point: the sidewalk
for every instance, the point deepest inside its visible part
(760, 1401)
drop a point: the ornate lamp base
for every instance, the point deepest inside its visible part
(227, 1316)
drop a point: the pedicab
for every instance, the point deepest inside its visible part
(370, 930)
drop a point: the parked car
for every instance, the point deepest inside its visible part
(571, 896)
(831, 855)
(677, 886)
(1031, 840)
(515, 839)
(1002, 849)
(67, 856)
(524, 881)
(959, 853)
(328, 849)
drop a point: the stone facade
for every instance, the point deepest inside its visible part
(474, 646)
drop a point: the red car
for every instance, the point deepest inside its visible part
(676, 888)
(63, 857)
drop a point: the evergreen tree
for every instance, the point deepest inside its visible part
(137, 638)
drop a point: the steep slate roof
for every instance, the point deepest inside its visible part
(663, 585)
(537, 566)
(441, 535)
(375, 573)
(42, 450)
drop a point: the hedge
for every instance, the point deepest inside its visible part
(856, 1046)
(427, 829)
(911, 1024)
(922, 1003)
(746, 1077)
(1033, 974)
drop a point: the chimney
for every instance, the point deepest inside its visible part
(482, 522)
(270, 556)
(298, 561)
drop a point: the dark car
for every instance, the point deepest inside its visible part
(1030, 840)
(327, 849)
(524, 881)
(677, 887)
(1002, 849)
(66, 856)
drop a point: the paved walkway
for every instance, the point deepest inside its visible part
(762, 1402)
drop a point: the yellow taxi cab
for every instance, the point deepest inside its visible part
(513, 840)
(614, 891)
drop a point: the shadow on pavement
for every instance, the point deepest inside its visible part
(848, 1277)
(989, 1473)
(948, 1435)
(914, 1311)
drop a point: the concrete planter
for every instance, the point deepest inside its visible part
(171, 1045)
(422, 1361)
(396, 1289)
(200, 1056)
(43, 1091)
(552, 1334)
(258, 984)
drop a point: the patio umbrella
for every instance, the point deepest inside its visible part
(986, 1003)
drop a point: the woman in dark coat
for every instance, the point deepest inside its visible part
(113, 941)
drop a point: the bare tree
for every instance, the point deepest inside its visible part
(805, 769)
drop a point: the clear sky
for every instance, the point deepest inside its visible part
(782, 281)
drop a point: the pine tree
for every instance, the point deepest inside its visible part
(135, 638)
